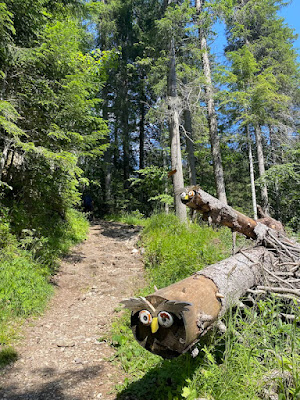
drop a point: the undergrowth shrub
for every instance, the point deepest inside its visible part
(26, 262)
(48, 237)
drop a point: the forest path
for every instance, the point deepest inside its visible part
(60, 357)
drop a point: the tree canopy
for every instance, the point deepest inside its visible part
(86, 105)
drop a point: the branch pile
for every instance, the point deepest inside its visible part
(279, 263)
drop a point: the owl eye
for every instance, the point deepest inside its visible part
(183, 194)
(145, 317)
(165, 319)
(191, 193)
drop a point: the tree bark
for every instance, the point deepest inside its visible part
(274, 159)
(261, 168)
(211, 114)
(220, 213)
(142, 123)
(251, 170)
(211, 292)
(165, 165)
(6, 147)
(176, 161)
(107, 157)
(190, 146)
(125, 136)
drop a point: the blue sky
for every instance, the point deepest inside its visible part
(290, 13)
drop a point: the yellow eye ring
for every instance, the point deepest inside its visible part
(191, 193)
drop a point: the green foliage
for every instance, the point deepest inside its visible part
(132, 218)
(49, 118)
(151, 180)
(259, 351)
(283, 181)
(174, 250)
(53, 120)
(8, 119)
(7, 355)
(61, 236)
(26, 264)
(24, 288)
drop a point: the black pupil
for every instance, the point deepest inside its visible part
(145, 318)
(165, 318)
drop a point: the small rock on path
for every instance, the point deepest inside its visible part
(60, 357)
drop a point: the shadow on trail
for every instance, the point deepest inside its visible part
(118, 230)
(74, 257)
(165, 381)
(52, 389)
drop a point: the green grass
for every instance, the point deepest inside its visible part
(56, 236)
(256, 352)
(7, 355)
(26, 264)
(174, 250)
(132, 218)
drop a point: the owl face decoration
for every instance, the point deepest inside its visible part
(158, 323)
(163, 318)
(170, 321)
(187, 196)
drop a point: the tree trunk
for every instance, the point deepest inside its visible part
(142, 105)
(190, 146)
(107, 157)
(126, 142)
(274, 158)
(220, 213)
(251, 170)
(207, 295)
(261, 168)
(211, 114)
(107, 179)
(176, 162)
(6, 147)
(165, 165)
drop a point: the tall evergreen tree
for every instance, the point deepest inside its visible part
(48, 87)
(264, 72)
(211, 110)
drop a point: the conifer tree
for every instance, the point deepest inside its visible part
(211, 111)
(264, 72)
(49, 112)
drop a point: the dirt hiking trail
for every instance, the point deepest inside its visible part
(60, 357)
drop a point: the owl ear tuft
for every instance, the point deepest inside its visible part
(137, 304)
(177, 307)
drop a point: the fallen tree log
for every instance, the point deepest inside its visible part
(222, 214)
(172, 320)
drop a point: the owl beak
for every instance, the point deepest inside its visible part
(154, 325)
(184, 198)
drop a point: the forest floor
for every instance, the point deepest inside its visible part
(60, 356)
